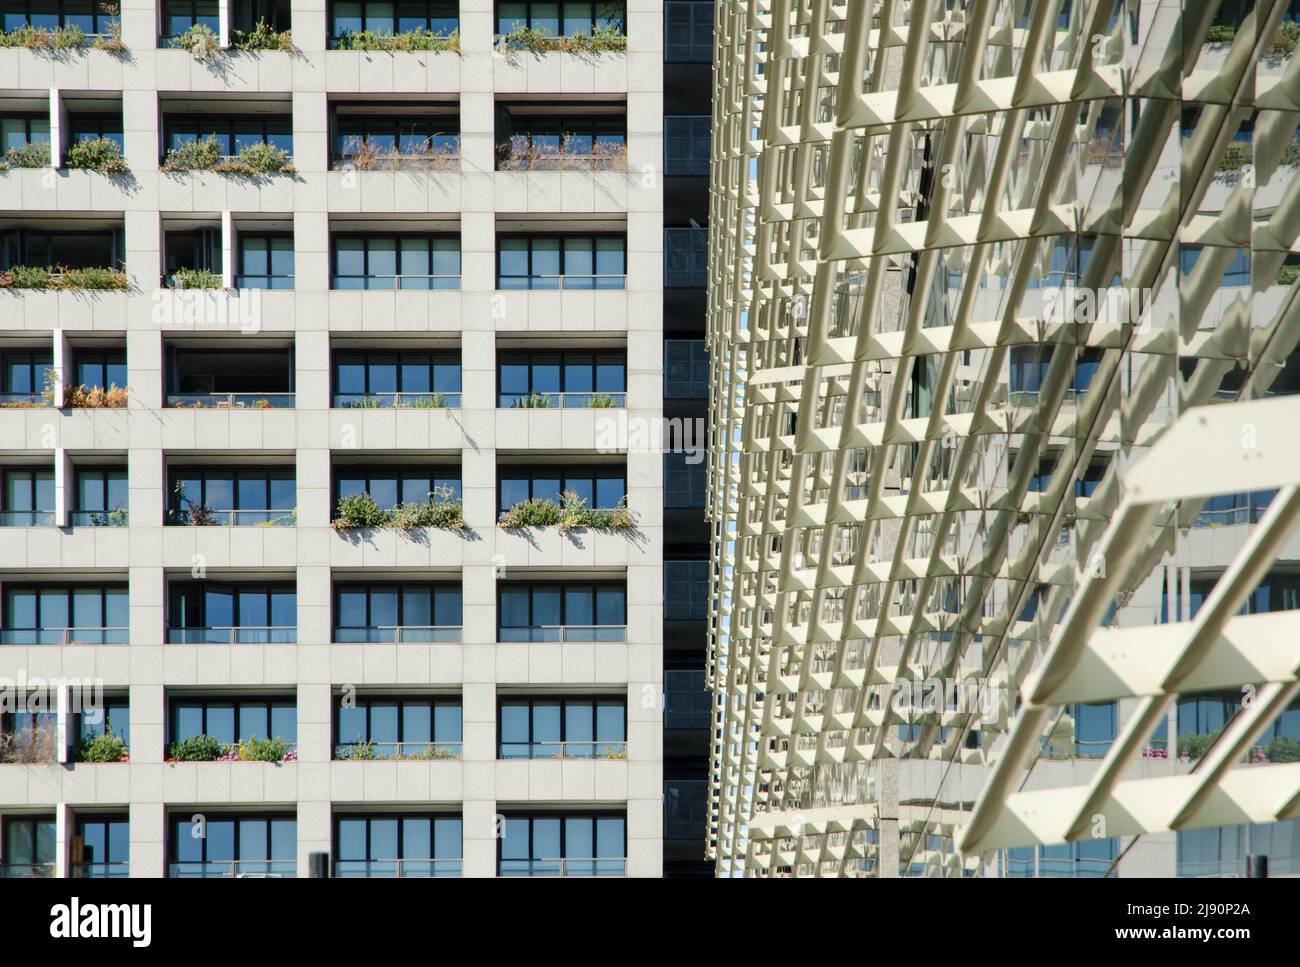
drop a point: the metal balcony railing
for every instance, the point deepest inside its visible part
(600, 749)
(553, 282)
(564, 633)
(229, 401)
(24, 399)
(26, 518)
(63, 636)
(397, 750)
(418, 283)
(397, 869)
(433, 400)
(101, 871)
(234, 869)
(242, 517)
(98, 518)
(602, 866)
(281, 282)
(244, 635)
(26, 871)
(399, 634)
(561, 401)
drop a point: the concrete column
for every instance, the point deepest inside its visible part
(223, 22)
(63, 829)
(148, 834)
(60, 128)
(62, 357)
(227, 250)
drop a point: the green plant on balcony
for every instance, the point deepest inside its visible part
(188, 512)
(570, 513)
(112, 41)
(200, 40)
(359, 510)
(1235, 157)
(58, 277)
(202, 154)
(33, 154)
(364, 155)
(96, 154)
(1283, 749)
(601, 401)
(197, 748)
(1220, 34)
(284, 520)
(117, 517)
(104, 747)
(533, 401)
(262, 37)
(257, 159)
(356, 750)
(186, 278)
(1194, 746)
(263, 750)
(441, 510)
(604, 39)
(419, 39)
(40, 743)
(430, 752)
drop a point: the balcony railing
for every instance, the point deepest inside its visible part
(566, 633)
(244, 635)
(26, 518)
(562, 401)
(64, 636)
(26, 871)
(552, 282)
(418, 283)
(412, 401)
(234, 869)
(564, 750)
(98, 518)
(232, 401)
(101, 871)
(243, 517)
(563, 867)
(397, 750)
(402, 634)
(281, 282)
(396, 868)
(24, 399)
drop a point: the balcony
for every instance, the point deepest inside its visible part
(399, 634)
(395, 136)
(569, 262)
(561, 612)
(64, 636)
(562, 137)
(563, 750)
(561, 379)
(561, 866)
(232, 496)
(26, 374)
(101, 871)
(539, 27)
(369, 749)
(401, 377)
(371, 25)
(414, 261)
(229, 134)
(407, 613)
(26, 518)
(27, 871)
(562, 633)
(389, 869)
(234, 869)
(234, 635)
(208, 376)
(66, 253)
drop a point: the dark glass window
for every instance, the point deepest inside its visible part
(25, 375)
(28, 498)
(561, 612)
(563, 844)
(563, 728)
(561, 261)
(232, 614)
(30, 846)
(104, 369)
(567, 379)
(398, 727)
(265, 262)
(89, 248)
(392, 17)
(232, 495)
(397, 845)
(686, 590)
(397, 378)
(105, 847)
(686, 369)
(397, 612)
(97, 127)
(686, 258)
(232, 846)
(180, 15)
(92, 18)
(390, 486)
(598, 486)
(19, 130)
(421, 262)
(233, 720)
(688, 31)
(232, 133)
(685, 479)
(686, 144)
(80, 614)
(562, 19)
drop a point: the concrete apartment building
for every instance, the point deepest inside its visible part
(429, 302)
(1003, 326)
